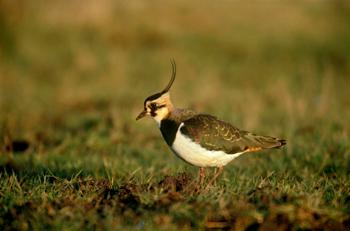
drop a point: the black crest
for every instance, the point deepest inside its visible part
(167, 88)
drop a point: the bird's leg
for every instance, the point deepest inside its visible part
(201, 175)
(217, 173)
(220, 170)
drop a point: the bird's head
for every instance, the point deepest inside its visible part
(158, 105)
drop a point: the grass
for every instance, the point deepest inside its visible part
(73, 79)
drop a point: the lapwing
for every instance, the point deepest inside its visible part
(200, 139)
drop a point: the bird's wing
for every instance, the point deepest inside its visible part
(217, 135)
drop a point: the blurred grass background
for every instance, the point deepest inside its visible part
(73, 76)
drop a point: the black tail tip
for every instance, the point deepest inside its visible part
(282, 142)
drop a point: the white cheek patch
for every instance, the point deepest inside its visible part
(161, 113)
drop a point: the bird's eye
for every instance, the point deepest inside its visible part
(153, 105)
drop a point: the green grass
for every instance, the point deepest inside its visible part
(73, 78)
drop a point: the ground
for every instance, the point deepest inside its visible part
(73, 78)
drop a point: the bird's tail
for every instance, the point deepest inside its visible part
(263, 142)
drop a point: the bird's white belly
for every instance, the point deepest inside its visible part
(194, 154)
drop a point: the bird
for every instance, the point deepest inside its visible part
(200, 139)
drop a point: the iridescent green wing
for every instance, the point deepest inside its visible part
(217, 135)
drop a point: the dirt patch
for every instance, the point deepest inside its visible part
(125, 197)
(91, 185)
(178, 183)
(126, 203)
(243, 217)
(128, 196)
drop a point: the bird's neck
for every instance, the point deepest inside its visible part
(179, 115)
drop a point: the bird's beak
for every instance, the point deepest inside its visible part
(141, 115)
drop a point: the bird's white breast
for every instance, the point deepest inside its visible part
(194, 154)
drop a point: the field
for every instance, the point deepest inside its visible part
(74, 75)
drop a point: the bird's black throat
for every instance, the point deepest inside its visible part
(169, 128)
